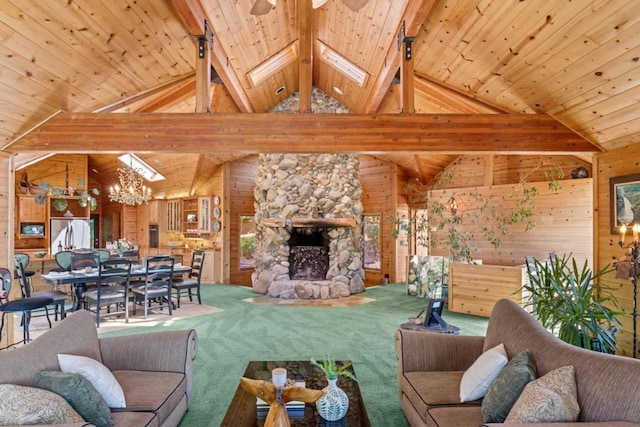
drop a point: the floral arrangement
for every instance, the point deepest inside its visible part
(331, 369)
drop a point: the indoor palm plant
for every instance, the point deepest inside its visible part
(571, 302)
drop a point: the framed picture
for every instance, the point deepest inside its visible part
(624, 192)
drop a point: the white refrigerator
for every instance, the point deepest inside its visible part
(69, 234)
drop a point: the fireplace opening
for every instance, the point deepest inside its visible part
(308, 254)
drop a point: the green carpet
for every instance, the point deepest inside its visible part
(242, 331)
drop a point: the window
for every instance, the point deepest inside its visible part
(371, 233)
(247, 241)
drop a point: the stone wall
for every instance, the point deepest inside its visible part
(324, 186)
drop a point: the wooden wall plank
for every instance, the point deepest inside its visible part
(7, 208)
(474, 289)
(619, 162)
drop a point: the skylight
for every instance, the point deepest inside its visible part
(146, 171)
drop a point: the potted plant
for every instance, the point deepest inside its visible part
(59, 202)
(334, 403)
(571, 302)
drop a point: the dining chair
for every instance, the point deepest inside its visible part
(193, 279)
(80, 262)
(20, 305)
(59, 298)
(157, 284)
(103, 254)
(132, 255)
(112, 288)
(24, 259)
(63, 260)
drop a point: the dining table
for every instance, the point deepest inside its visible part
(87, 276)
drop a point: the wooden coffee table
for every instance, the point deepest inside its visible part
(242, 409)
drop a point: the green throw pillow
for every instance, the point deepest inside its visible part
(507, 387)
(80, 394)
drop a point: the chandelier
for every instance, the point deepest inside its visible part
(131, 190)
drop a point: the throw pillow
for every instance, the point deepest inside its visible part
(551, 398)
(507, 387)
(98, 374)
(476, 379)
(79, 392)
(23, 405)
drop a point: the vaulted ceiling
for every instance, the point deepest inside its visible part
(575, 61)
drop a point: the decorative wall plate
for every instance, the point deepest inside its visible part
(216, 226)
(216, 212)
(216, 200)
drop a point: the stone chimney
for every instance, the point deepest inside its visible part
(311, 202)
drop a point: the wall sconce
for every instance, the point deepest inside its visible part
(635, 229)
(452, 205)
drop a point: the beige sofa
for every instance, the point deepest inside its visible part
(154, 369)
(431, 365)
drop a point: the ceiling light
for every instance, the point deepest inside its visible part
(131, 190)
(279, 90)
(338, 90)
(273, 64)
(342, 64)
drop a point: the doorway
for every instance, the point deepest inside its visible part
(94, 229)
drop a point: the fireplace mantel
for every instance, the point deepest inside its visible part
(309, 222)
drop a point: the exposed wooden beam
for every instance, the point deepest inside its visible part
(489, 164)
(451, 100)
(419, 168)
(197, 173)
(193, 16)
(174, 95)
(144, 94)
(203, 71)
(407, 99)
(305, 65)
(414, 17)
(304, 133)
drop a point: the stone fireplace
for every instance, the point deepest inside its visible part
(308, 234)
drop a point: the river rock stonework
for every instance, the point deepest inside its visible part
(308, 186)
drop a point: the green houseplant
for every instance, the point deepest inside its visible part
(85, 198)
(571, 302)
(331, 370)
(334, 403)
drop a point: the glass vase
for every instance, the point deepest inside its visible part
(334, 402)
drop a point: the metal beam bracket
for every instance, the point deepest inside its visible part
(206, 37)
(406, 40)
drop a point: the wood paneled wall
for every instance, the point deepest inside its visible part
(620, 162)
(377, 178)
(242, 175)
(564, 222)
(7, 206)
(54, 171)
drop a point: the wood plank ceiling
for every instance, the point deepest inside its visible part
(574, 61)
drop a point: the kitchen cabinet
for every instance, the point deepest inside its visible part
(190, 215)
(154, 212)
(208, 269)
(204, 214)
(173, 216)
(30, 211)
